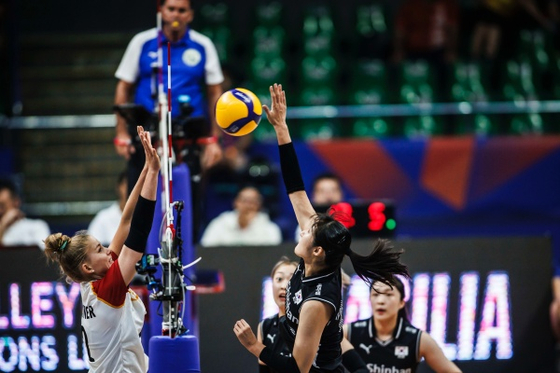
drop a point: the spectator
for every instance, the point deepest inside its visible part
(426, 29)
(105, 223)
(494, 18)
(327, 190)
(245, 225)
(15, 228)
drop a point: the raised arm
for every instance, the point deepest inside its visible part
(126, 218)
(124, 225)
(142, 218)
(291, 173)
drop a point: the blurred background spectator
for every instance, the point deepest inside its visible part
(246, 225)
(501, 19)
(326, 190)
(15, 228)
(427, 30)
(105, 223)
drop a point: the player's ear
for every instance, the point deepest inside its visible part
(86, 268)
(318, 251)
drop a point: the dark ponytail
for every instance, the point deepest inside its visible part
(382, 264)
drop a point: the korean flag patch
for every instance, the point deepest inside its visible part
(298, 297)
(401, 351)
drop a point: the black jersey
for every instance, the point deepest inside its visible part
(400, 354)
(327, 288)
(271, 337)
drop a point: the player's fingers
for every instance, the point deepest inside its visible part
(275, 92)
(266, 110)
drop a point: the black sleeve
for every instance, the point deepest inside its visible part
(282, 363)
(353, 362)
(141, 224)
(264, 369)
(291, 172)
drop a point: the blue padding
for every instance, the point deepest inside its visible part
(181, 192)
(178, 355)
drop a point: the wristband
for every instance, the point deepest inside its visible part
(121, 142)
(291, 172)
(263, 369)
(141, 225)
(279, 362)
(207, 140)
(353, 362)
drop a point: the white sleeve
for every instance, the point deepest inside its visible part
(42, 231)
(129, 67)
(97, 230)
(275, 234)
(211, 235)
(213, 68)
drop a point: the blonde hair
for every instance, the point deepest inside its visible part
(69, 253)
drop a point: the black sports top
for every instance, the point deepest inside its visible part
(399, 354)
(324, 287)
(271, 337)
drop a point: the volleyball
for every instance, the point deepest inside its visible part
(238, 111)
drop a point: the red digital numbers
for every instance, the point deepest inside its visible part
(343, 213)
(377, 218)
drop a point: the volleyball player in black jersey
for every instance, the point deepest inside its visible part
(312, 327)
(387, 341)
(268, 332)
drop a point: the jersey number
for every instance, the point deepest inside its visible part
(91, 360)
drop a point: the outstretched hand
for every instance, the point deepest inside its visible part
(276, 114)
(152, 157)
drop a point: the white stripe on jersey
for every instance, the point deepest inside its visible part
(129, 67)
(212, 68)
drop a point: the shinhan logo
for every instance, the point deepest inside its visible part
(374, 368)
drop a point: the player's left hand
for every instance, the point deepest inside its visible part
(211, 155)
(244, 333)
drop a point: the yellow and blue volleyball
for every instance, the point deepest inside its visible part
(238, 111)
